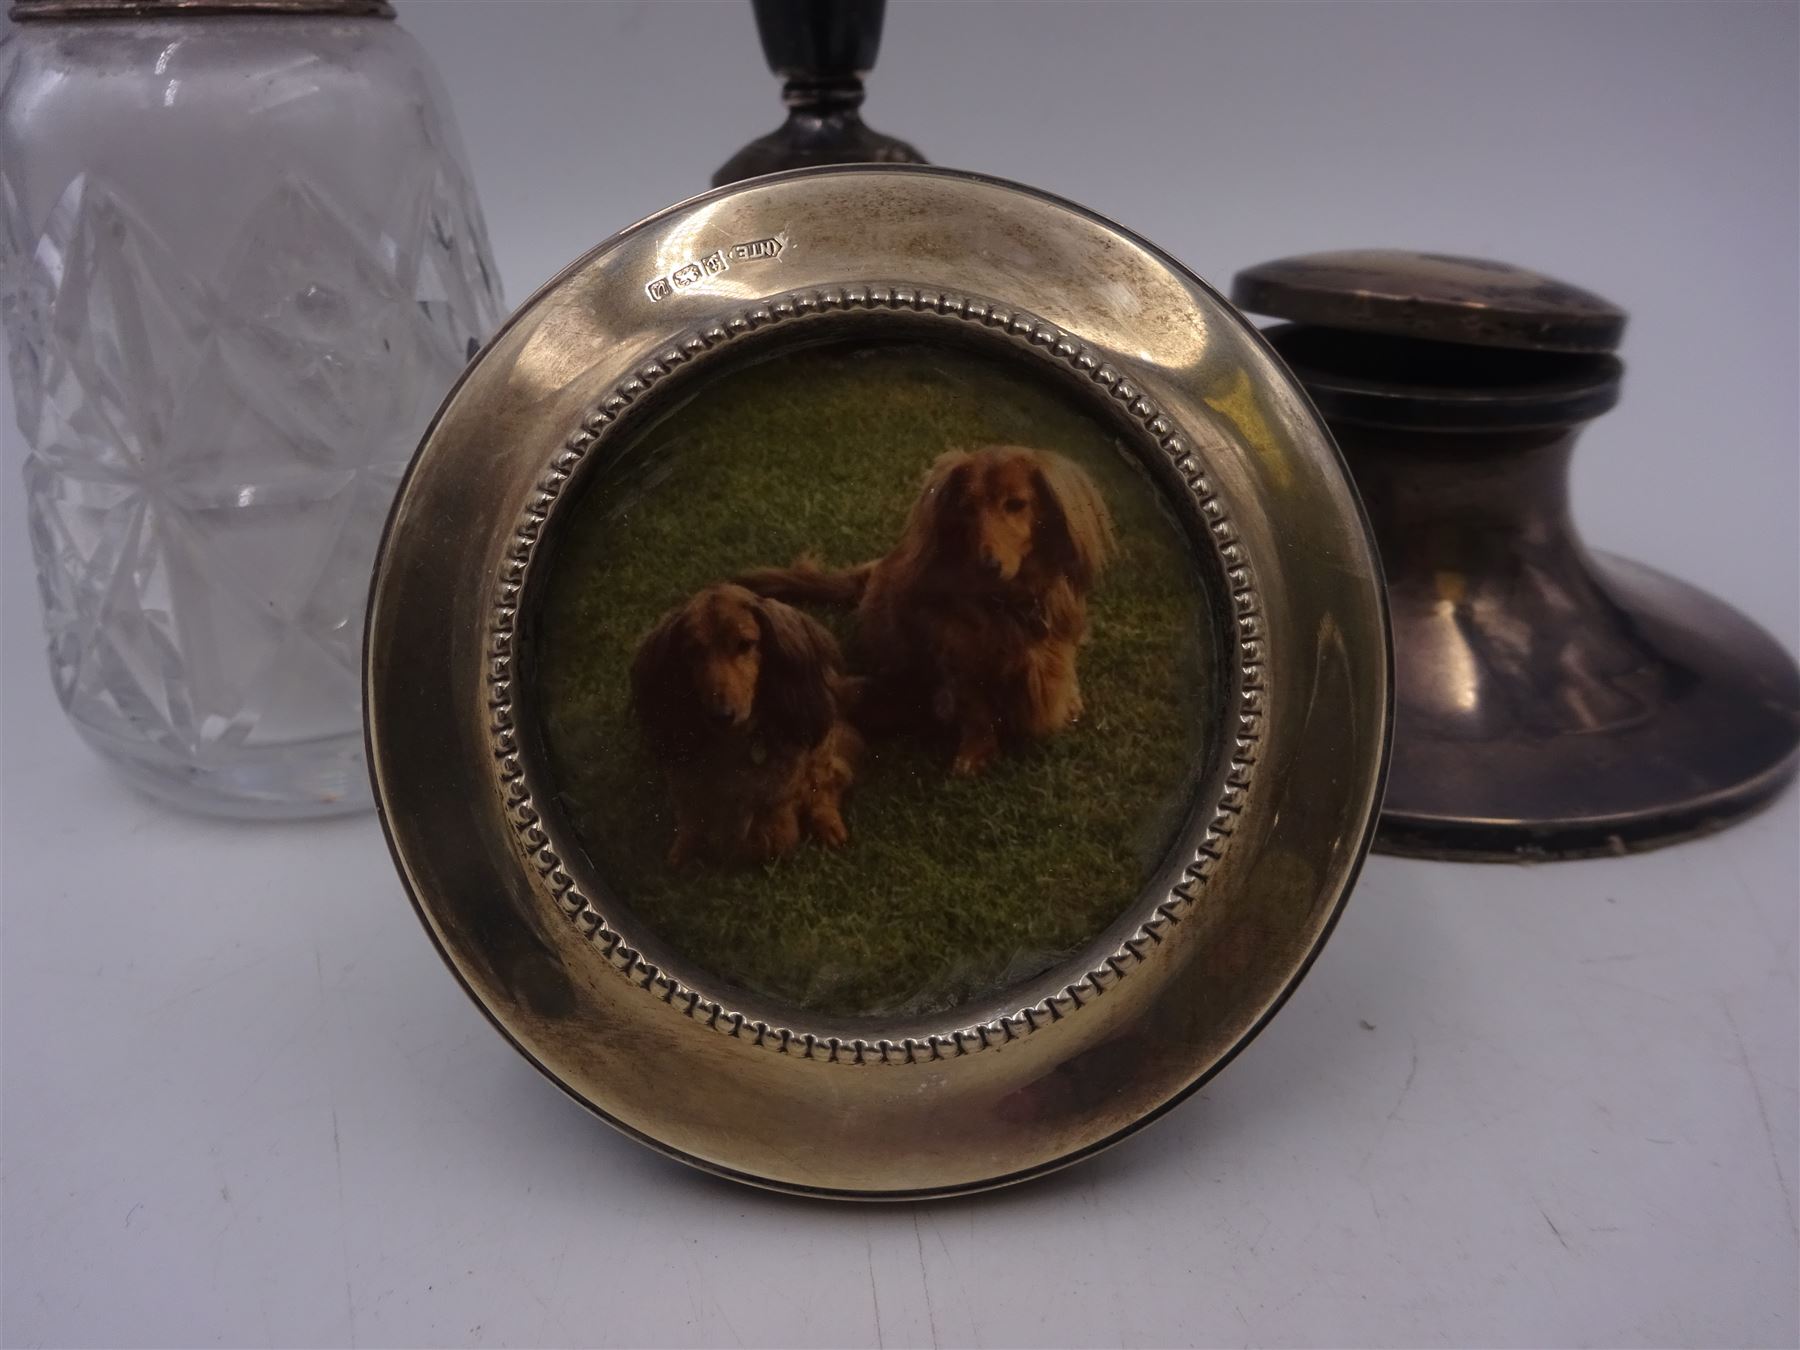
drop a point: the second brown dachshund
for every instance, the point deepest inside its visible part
(744, 700)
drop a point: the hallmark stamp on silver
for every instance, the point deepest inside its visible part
(719, 260)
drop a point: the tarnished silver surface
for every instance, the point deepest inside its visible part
(1044, 1073)
(823, 50)
(1436, 297)
(1551, 702)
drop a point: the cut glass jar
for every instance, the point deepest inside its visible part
(241, 264)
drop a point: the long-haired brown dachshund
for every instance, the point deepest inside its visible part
(743, 701)
(971, 623)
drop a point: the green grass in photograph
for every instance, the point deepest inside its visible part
(947, 888)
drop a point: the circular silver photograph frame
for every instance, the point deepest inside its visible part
(1039, 1073)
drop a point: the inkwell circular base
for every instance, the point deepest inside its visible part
(1551, 702)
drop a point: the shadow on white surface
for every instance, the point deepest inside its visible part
(244, 1101)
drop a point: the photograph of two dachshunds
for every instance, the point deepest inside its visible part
(874, 676)
(966, 632)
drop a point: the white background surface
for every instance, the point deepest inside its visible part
(242, 1103)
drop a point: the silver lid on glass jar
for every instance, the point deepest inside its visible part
(152, 9)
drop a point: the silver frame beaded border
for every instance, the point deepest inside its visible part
(1207, 841)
